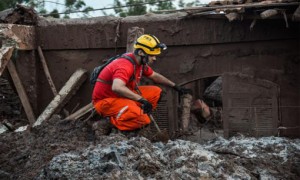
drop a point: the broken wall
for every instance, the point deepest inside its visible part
(198, 47)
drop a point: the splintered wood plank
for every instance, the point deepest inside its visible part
(82, 111)
(5, 54)
(63, 96)
(21, 92)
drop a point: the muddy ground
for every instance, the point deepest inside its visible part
(60, 149)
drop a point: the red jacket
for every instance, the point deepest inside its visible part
(122, 69)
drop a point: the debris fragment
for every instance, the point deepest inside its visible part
(68, 149)
(296, 15)
(268, 13)
(232, 16)
(5, 54)
(3, 128)
(238, 158)
(19, 15)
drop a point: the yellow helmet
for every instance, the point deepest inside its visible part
(149, 44)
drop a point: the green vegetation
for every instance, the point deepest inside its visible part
(39, 6)
(121, 8)
(125, 8)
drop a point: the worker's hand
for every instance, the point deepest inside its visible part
(181, 90)
(146, 106)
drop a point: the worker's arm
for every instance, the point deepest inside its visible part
(160, 79)
(120, 88)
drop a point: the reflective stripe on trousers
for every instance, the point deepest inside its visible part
(126, 114)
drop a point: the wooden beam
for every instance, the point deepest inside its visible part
(63, 96)
(46, 70)
(251, 5)
(21, 92)
(81, 112)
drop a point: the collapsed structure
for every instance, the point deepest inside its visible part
(252, 50)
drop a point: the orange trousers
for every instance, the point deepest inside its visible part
(126, 114)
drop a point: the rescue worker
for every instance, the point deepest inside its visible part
(116, 95)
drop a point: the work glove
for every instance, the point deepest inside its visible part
(146, 105)
(181, 90)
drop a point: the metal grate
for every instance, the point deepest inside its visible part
(250, 105)
(161, 115)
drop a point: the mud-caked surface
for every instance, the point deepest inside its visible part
(19, 15)
(10, 107)
(70, 150)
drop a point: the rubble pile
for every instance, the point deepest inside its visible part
(138, 158)
(60, 149)
(19, 15)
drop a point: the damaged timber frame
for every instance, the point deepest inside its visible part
(17, 38)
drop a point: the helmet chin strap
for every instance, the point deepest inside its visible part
(145, 59)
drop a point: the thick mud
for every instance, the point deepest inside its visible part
(60, 149)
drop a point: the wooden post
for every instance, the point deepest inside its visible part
(21, 92)
(186, 111)
(132, 35)
(63, 96)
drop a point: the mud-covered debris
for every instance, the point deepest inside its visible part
(60, 149)
(238, 158)
(4, 14)
(19, 15)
